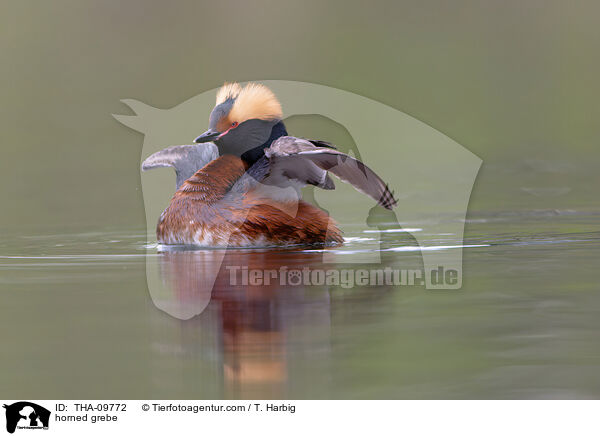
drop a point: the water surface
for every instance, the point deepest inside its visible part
(78, 320)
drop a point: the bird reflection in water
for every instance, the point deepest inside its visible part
(244, 340)
(253, 322)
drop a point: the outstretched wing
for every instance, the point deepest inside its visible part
(299, 159)
(185, 159)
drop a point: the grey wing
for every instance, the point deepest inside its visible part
(298, 170)
(295, 155)
(286, 165)
(185, 159)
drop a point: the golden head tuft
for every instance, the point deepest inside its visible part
(256, 101)
(228, 90)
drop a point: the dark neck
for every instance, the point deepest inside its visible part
(252, 155)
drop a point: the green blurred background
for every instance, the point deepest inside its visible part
(511, 81)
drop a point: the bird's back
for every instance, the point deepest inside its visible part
(224, 205)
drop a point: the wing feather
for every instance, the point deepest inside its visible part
(301, 160)
(185, 159)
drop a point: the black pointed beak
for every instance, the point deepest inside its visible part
(207, 136)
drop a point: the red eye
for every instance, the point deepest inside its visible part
(234, 124)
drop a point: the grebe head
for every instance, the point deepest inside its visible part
(243, 119)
